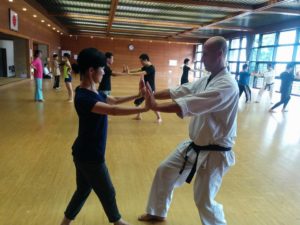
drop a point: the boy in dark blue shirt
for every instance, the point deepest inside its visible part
(287, 79)
(89, 147)
(244, 78)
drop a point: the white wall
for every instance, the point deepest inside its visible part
(9, 46)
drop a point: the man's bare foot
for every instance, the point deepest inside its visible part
(121, 222)
(272, 111)
(150, 218)
(159, 120)
(65, 221)
(137, 118)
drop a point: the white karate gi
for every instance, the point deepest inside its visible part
(269, 77)
(213, 110)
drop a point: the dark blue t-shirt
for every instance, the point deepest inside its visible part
(150, 75)
(90, 143)
(287, 80)
(244, 78)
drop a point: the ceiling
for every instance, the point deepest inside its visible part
(180, 20)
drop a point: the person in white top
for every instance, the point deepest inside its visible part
(212, 104)
(269, 77)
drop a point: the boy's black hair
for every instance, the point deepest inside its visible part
(108, 55)
(90, 57)
(36, 53)
(67, 55)
(186, 60)
(245, 66)
(144, 57)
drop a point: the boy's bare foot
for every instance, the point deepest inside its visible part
(137, 118)
(272, 111)
(159, 120)
(150, 218)
(121, 222)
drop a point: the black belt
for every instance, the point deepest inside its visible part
(197, 149)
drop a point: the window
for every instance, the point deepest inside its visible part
(287, 37)
(265, 54)
(243, 55)
(198, 56)
(279, 48)
(256, 40)
(298, 54)
(279, 68)
(284, 54)
(237, 54)
(198, 64)
(268, 39)
(232, 67)
(244, 43)
(199, 48)
(235, 43)
(253, 54)
(233, 55)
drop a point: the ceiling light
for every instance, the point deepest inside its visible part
(10, 0)
(70, 35)
(61, 33)
(49, 25)
(111, 38)
(35, 16)
(53, 28)
(131, 39)
(43, 21)
(24, 9)
(92, 37)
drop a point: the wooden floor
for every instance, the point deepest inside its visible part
(37, 173)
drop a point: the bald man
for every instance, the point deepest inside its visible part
(212, 104)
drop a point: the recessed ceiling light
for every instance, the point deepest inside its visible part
(53, 28)
(49, 25)
(57, 31)
(43, 21)
(35, 16)
(70, 35)
(61, 33)
(10, 0)
(24, 9)
(111, 38)
(92, 37)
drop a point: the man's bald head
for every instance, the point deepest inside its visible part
(217, 43)
(214, 54)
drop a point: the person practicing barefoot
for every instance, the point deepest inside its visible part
(212, 104)
(287, 79)
(67, 71)
(148, 71)
(88, 152)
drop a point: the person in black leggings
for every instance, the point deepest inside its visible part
(89, 147)
(287, 79)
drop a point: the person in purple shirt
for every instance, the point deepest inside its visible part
(38, 75)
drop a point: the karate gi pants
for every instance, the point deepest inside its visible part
(211, 168)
